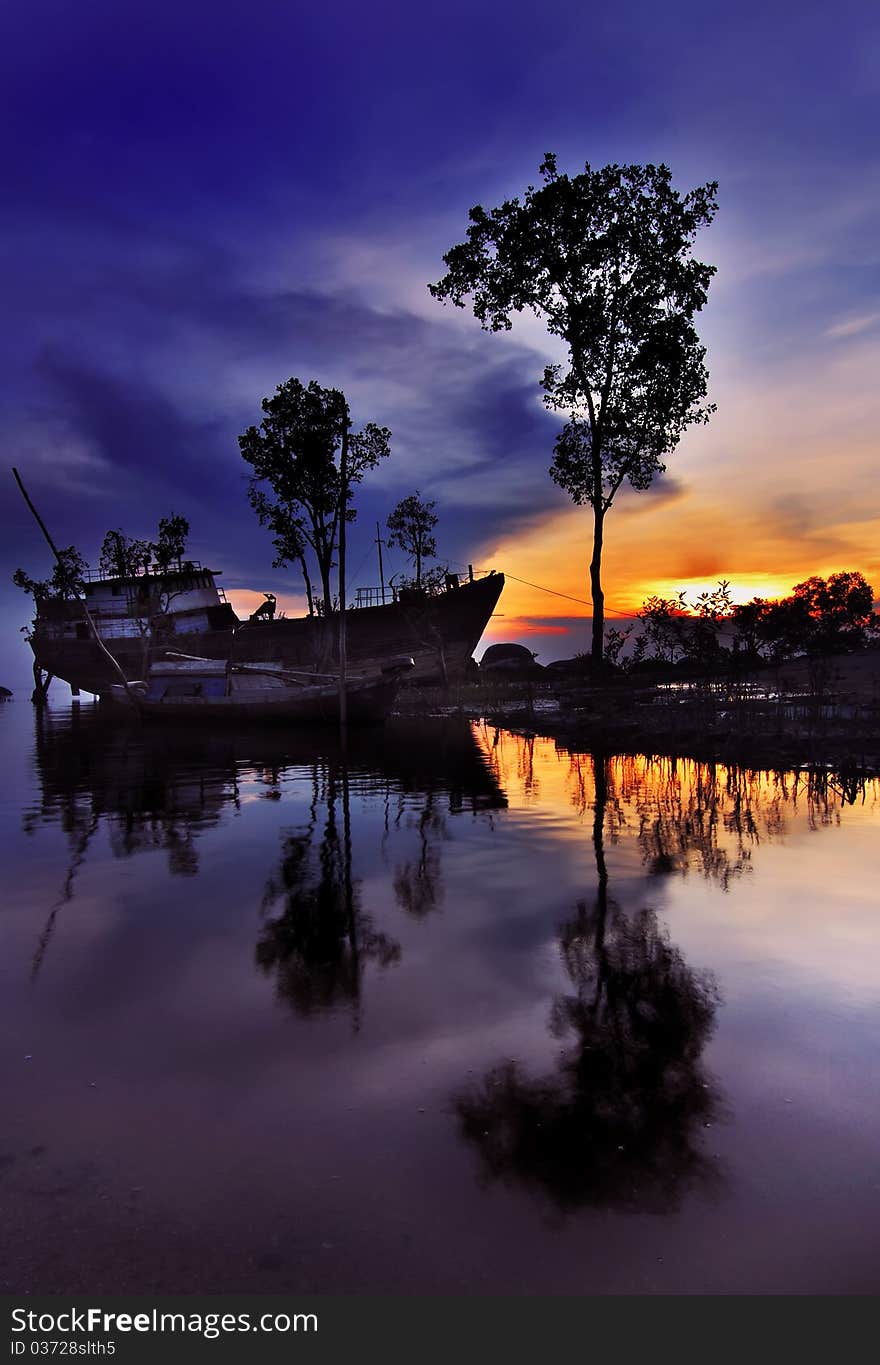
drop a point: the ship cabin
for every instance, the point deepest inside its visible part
(188, 599)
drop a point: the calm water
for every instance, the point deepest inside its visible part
(464, 1012)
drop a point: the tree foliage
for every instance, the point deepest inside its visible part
(819, 616)
(170, 546)
(120, 556)
(124, 557)
(840, 608)
(604, 258)
(663, 628)
(674, 630)
(433, 582)
(298, 488)
(411, 526)
(66, 580)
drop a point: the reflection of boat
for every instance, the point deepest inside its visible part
(184, 609)
(143, 780)
(211, 690)
(145, 788)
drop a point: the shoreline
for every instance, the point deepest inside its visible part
(787, 730)
(844, 752)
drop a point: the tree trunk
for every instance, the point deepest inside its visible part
(325, 587)
(418, 567)
(308, 582)
(598, 642)
(327, 634)
(343, 507)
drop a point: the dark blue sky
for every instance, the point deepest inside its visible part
(201, 200)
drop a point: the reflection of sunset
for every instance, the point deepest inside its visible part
(503, 626)
(681, 815)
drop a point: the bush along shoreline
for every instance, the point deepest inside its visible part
(822, 711)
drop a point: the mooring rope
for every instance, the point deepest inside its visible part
(582, 601)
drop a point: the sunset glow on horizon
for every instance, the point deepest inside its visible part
(641, 558)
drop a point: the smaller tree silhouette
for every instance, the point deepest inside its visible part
(123, 557)
(411, 527)
(819, 616)
(840, 609)
(66, 580)
(170, 547)
(306, 461)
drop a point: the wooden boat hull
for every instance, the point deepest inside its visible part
(439, 633)
(368, 702)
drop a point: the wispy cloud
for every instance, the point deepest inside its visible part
(850, 327)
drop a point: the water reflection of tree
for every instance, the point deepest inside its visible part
(522, 765)
(710, 818)
(418, 881)
(319, 945)
(463, 782)
(617, 1122)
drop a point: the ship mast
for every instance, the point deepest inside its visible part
(381, 571)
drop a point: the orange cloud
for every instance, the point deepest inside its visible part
(689, 544)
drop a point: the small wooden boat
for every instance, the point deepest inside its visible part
(185, 688)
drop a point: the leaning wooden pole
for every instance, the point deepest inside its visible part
(92, 627)
(35, 514)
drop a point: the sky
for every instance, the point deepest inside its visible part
(200, 201)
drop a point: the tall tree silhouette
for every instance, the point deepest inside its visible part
(605, 258)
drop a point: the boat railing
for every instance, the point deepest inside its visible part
(390, 593)
(188, 566)
(374, 597)
(468, 574)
